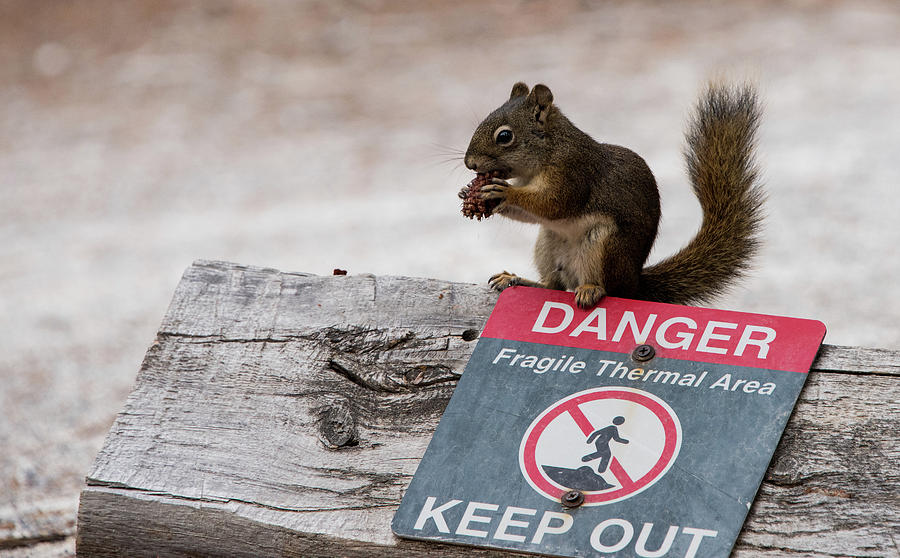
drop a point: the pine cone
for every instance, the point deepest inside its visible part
(473, 206)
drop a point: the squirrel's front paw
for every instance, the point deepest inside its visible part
(503, 280)
(588, 295)
(496, 189)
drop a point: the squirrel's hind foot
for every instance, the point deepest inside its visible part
(588, 295)
(504, 280)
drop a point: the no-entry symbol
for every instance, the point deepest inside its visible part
(609, 443)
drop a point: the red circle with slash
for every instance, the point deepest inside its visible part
(562, 428)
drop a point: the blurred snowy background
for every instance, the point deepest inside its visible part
(138, 136)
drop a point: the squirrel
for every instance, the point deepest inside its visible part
(598, 204)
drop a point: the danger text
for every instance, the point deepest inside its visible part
(679, 332)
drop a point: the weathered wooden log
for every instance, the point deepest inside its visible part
(284, 414)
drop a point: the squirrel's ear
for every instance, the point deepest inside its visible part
(518, 90)
(542, 98)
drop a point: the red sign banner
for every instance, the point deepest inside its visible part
(676, 332)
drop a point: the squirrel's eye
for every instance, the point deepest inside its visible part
(503, 135)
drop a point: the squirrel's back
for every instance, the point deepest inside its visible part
(720, 162)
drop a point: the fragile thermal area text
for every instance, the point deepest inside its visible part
(540, 364)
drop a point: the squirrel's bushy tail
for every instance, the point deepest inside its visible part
(719, 153)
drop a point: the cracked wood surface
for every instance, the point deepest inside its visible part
(284, 414)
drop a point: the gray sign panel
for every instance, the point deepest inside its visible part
(560, 440)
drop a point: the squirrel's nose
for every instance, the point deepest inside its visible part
(470, 163)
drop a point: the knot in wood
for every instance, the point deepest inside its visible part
(784, 470)
(470, 335)
(338, 427)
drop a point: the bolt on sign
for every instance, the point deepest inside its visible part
(630, 429)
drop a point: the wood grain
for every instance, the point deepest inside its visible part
(284, 414)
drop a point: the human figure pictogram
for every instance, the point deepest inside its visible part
(601, 438)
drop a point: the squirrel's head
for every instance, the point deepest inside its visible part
(512, 139)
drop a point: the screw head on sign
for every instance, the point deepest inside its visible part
(643, 353)
(572, 499)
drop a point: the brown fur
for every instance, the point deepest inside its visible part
(598, 204)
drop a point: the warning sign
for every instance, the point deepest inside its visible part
(631, 429)
(579, 443)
